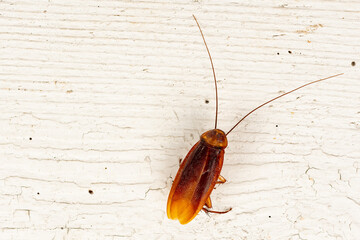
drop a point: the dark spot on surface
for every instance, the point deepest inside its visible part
(289, 52)
(91, 191)
(206, 101)
(278, 53)
(105, 168)
(269, 216)
(30, 138)
(38, 193)
(353, 64)
(62, 228)
(276, 125)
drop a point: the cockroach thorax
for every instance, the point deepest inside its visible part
(215, 138)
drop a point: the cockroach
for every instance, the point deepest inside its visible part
(199, 172)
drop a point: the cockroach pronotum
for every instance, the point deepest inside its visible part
(200, 170)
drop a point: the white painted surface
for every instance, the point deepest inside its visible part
(112, 94)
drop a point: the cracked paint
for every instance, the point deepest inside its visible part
(100, 100)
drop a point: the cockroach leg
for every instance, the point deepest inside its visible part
(208, 203)
(180, 160)
(218, 212)
(221, 180)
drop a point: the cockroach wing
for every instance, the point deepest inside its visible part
(194, 181)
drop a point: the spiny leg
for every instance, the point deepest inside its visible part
(218, 212)
(208, 203)
(221, 180)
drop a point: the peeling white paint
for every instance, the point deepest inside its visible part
(100, 99)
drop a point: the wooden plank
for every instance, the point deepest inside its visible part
(100, 99)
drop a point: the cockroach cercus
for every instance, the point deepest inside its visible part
(200, 170)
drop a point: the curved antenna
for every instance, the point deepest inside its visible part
(280, 97)
(212, 66)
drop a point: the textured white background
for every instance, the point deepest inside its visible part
(108, 95)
